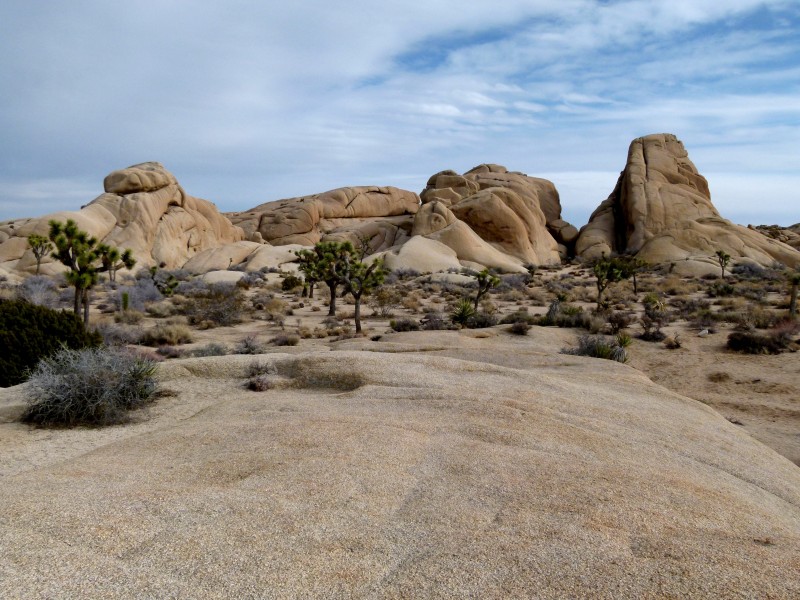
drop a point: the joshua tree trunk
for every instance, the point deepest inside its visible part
(86, 307)
(357, 312)
(793, 299)
(332, 305)
(77, 301)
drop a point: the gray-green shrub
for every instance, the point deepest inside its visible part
(92, 386)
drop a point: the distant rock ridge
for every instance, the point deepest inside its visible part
(661, 211)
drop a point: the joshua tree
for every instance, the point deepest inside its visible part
(723, 258)
(486, 281)
(360, 279)
(794, 282)
(608, 271)
(328, 262)
(41, 247)
(631, 266)
(85, 259)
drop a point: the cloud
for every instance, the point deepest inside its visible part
(248, 101)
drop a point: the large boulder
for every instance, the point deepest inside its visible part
(661, 211)
(529, 224)
(143, 209)
(437, 222)
(382, 215)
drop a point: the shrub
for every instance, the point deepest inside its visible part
(720, 289)
(384, 301)
(481, 320)
(35, 332)
(129, 317)
(285, 339)
(291, 282)
(92, 386)
(404, 325)
(751, 342)
(219, 304)
(520, 316)
(435, 321)
(39, 290)
(169, 351)
(598, 346)
(260, 376)
(463, 310)
(166, 334)
(519, 328)
(115, 334)
(210, 349)
(249, 345)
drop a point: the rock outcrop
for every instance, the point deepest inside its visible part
(382, 215)
(433, 464)
(518, 214)
(661, 211)
(143, 209)
(788, 235)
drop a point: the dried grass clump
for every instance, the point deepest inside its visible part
(167, 334)
(93, 386)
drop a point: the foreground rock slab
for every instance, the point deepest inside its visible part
(401, 474)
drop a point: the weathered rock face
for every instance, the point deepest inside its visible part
(143, 209)
(383, 215)
(661, 211)
(519, 215)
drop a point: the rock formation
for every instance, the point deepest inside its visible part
(382, 215)
(661, 211)
(144, 209)
(788, 235)
(517, 214)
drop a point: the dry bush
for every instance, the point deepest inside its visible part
(218, 305)
(249, 345)
(129, 317)
(165, 334)
(210, 349)
(94, 386)
(675, 286)
(285, 339)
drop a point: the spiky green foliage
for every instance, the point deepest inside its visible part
(41, 247)
(462, 312)
(30, 333)
(85, 258)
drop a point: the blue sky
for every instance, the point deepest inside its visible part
(247, 102)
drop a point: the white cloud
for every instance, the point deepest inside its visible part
(249, 101)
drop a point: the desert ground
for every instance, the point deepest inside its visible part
(434, 463)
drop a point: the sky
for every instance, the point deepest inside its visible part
(250, 101)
